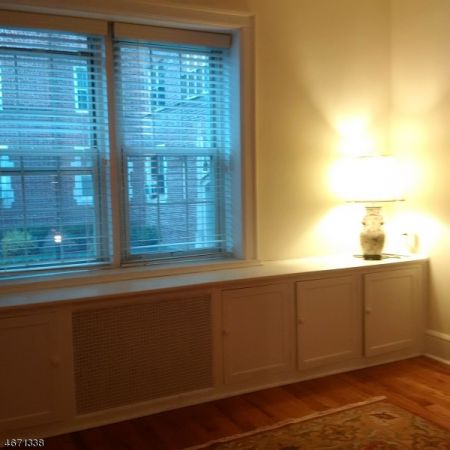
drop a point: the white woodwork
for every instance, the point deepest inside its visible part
(257, 329)
(328, 321)
(95, 284)
(34, 388)
(392, 310)
(254, 344)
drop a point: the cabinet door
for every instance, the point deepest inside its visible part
(392, 307)
(258, 333)
(329, 317)
(34, 381)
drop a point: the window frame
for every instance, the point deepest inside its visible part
(241, 27)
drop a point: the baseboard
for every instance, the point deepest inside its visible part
(437, 346)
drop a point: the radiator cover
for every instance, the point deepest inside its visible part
(139, 352)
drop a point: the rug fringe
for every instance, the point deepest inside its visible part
(287, 422)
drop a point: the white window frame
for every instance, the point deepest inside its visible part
(241, 27)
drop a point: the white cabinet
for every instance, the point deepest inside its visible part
(35, 385)
(393, 311)
(294, 323)
(329, 313)
(258, 342)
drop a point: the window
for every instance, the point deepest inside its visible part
(1, 90)
(157, 80)
(81, 88)
(193, 76)
(83, 189)
(155, 168)
(184, 215)
(6, 189)
(51, 156)
(177, 196)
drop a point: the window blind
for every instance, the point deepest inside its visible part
(173, 104)
(53, 141)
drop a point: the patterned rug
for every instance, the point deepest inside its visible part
(373, 425)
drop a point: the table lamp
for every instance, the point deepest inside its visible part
(373, 180)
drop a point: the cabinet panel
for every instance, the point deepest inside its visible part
(258, 333)
(392, 310)
(34, 386)
(329, 321)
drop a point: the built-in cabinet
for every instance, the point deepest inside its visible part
(35, 375)
(393, 311)
(328, 321)
(256, 332)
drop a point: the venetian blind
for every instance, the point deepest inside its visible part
(53, 144)
(173, 104)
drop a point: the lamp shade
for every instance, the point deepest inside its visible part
(371, 179)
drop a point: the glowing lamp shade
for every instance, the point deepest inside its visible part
(371, 179)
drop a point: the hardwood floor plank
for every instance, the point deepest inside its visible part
(277, 403)
(65, 442)
(246, 415)
(419, 385)
(95, 438)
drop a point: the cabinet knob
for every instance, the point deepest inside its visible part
(300, 321)
(368, 310)
(225, 333)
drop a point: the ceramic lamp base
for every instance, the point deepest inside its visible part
(372, 236)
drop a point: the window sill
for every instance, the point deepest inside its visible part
(101, 275)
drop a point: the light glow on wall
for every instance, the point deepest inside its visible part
(355, 137)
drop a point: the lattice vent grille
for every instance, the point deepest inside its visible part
(133, 353)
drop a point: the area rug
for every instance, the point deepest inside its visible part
(371, 425)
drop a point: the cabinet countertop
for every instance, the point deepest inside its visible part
(83, 288)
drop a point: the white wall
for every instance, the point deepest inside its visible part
(320, 65)
(421, 134)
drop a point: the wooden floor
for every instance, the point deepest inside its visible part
(419, 385)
